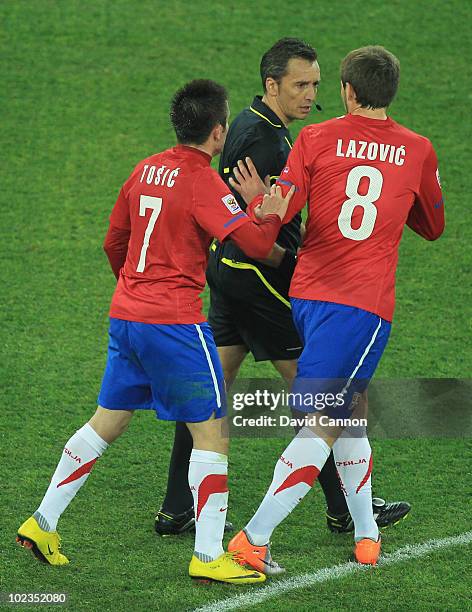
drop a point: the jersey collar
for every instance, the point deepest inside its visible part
(262, 110)
(361, 120)
(185, 149)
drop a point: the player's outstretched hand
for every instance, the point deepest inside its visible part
(247, 182)
(275, 203)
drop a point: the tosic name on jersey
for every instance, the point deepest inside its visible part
(360, 149)
(161, 175)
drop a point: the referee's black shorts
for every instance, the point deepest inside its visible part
(249, 306)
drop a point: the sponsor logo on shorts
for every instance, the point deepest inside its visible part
(231, 204)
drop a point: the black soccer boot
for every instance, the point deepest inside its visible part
(385, 514)
(167, 524)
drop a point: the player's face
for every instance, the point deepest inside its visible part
(296, 92)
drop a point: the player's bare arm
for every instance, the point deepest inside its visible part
(302, 234)
(275, 257)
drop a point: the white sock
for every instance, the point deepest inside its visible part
(208, 480)
(353, 458)
(294, 475)
(78, 458)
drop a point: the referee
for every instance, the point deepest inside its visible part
(249, 304)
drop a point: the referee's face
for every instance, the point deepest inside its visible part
(296, 93)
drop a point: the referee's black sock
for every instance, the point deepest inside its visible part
(329, 481)
(178, 497)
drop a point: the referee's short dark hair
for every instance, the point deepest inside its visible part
(274, 61)
(196, 109)
(373, 73)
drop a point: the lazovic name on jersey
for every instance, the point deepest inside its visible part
(361, 149)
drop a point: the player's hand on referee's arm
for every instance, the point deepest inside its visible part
(247, 181)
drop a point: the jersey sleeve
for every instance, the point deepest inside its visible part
(116, 247)
(215, 208)
(257, 240)
(120, 214)
(296, 173)
(426, 216)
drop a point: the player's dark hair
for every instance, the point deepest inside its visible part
(274, 61)
(197, 108)
(374, 73)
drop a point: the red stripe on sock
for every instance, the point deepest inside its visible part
(367, 474)
(213, 483)
(83, 469)
(307, 474)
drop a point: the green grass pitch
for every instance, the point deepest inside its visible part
(84, 96)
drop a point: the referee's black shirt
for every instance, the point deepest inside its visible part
(258, 133)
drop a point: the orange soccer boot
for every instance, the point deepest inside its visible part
(258, 557)
(367, 551)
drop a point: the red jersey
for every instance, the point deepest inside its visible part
(173, 204)
(363, 179)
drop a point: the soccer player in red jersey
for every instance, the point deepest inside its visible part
(161, 351)
(364, 177)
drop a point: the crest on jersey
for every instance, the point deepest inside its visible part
(231, 204)
(438, 177)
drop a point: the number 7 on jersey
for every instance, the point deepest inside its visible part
(155, 204)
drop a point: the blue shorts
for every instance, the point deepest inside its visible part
(173, 369)
(342, 348)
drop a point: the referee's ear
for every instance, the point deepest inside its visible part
(271, 87)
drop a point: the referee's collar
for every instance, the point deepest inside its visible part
(262, 110)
